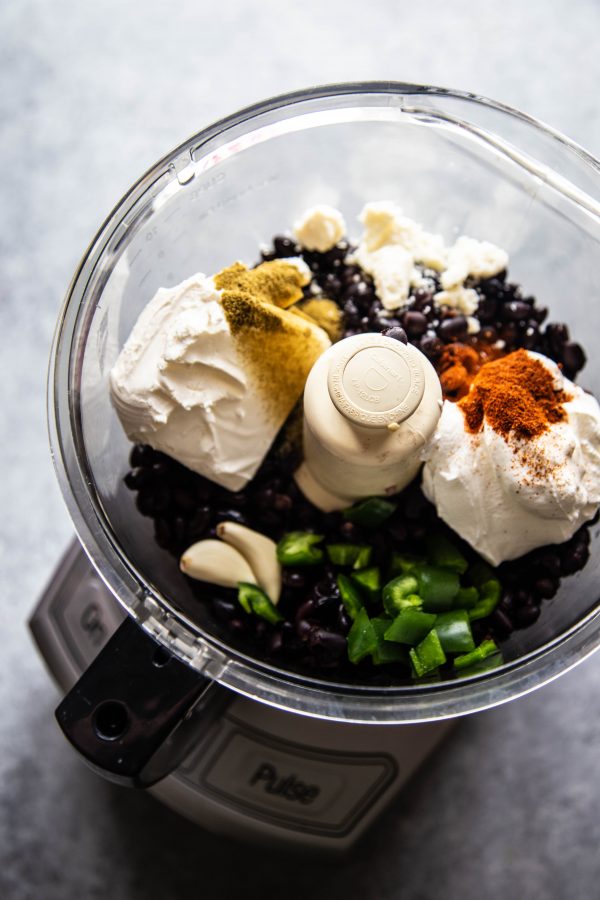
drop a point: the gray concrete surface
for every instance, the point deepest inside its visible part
(91, 95)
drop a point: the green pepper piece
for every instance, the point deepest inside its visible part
(362, 639)
(480, 572)
(442, 552)
(357, 555)
(489, 597)
(483, 665)
(410, 627)
(297, 549)
(438, 587)
(466, 598)
(405, 564)
(454, 631)
(253, 600)
(364, 558)
(350, 596)
(370, 513)
(398, 592)
(369, 580)
(485, 649)
(427, 655)
(386, 651)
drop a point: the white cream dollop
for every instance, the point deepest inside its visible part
(180, 386)
(507, 497)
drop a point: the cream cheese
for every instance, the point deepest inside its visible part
(506, 497)
(183, 383)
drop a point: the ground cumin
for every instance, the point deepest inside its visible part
(278, 347)
(515, 395)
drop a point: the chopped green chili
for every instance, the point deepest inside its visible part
(362, 639)
(466, 598)
(298, 549)
(485, 649)
(438, 587)
(254, 600)
(442, 552)
(405, 564)
(410, 627)
(369, 580)
(350, 596)
(386, 651)
(454, 631)
(482, 665)
(356, 555)
(489, 597)
(400, 593)
(371, 512)
(427, 655)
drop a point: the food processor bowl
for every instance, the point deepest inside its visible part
(459, 164)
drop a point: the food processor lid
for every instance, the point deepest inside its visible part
(202, 155)
(375, 381)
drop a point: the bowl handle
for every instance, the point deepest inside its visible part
(137, 711)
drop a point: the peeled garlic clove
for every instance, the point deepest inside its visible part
(260, 552)
(217, 563)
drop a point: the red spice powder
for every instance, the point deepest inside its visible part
(514, 394)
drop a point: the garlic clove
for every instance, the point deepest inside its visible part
(217, 563)
(260, 552)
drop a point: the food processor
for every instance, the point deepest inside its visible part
(156, 698)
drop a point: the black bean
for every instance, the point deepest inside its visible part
(183, 500)
(487, 309)
(431, 345)
(303, 628)
(527, 615)
(455, 328)
(501, 621)
(344, 621)
(292, 579)
(489, 334)
(327, 640)
(224, 609)
(539, 313)
(230, 515)
(415, 324)
(574, 559)
(516, 310)
(145, 502)
(397, 333)
(573, 356)
(285, 246)
(199, 521)
(138, 478)
(141, 455)
(557, 335)
(545, 588)
(351, 312)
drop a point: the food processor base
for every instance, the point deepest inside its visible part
(259, 774)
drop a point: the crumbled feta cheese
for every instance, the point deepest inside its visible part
(473, 326)
(467, 256)
(464, 299)
(320, 228)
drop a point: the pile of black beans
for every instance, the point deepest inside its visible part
(186, 507)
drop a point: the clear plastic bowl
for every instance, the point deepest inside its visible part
(457, 163)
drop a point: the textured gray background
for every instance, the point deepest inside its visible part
(90, 96)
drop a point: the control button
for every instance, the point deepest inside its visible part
(288, 784)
